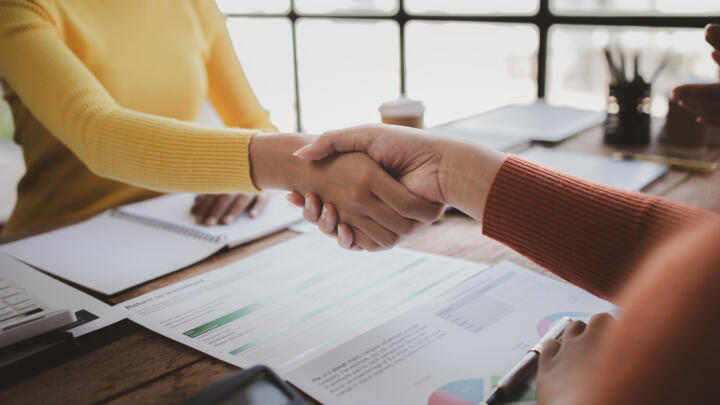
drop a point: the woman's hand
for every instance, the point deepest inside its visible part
(379, 210)
(224, 209)
(703, 99)
(566, 371)
(436, 168)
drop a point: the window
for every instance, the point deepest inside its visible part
(577, 73)
(322, 64)
(453, 67)
(636, 7)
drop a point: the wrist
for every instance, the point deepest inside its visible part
(467, 172)
(272, 164)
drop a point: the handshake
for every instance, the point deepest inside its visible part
(382, 183)
(371, 186)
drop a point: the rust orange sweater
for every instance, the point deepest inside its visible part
(657, 259)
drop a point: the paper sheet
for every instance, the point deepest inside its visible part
(452, 350)
(58, 295)
(294, 301)
(175, 208)
(624, 174)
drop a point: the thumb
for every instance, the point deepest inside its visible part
(356, 139)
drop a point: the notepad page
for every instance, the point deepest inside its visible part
(175, 208)
(109, 254)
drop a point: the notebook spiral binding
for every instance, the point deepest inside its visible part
(166, 226)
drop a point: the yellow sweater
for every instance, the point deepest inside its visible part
(102, 92)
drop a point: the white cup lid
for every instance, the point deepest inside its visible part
(401, 107)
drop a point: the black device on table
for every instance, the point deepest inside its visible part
(254, 386)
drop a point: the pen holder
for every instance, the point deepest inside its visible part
(628, 114)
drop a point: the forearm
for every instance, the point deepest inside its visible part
(273, 164)
(589, 234)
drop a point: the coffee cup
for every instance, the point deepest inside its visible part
(403, 111)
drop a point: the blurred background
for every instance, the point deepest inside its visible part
(322, 64)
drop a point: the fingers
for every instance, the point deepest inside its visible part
(345, 236)
(296, 199)
(702, 92)
(363, 241)
(258, 206)
(203, 203)
(575, 328)
(548, 352)
(700, 107)
(391, 220)
(239, 205)
(708, 112)
(312, 208)
(403, 202)
(373, 237)
(599, 322)
(328, 222)
(356, 139)
(712, 35)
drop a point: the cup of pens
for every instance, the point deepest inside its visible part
(628, 107)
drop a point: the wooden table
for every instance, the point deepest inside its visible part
(140, 366)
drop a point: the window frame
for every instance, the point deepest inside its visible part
(544, 19)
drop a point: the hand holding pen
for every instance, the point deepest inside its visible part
(558, 365)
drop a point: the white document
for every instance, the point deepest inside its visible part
(625, 174)
(451, 350)
(294, 301)
(122, 248)
(175, 209)
(538, 121)
(58, 295)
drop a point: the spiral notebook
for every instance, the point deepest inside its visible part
(124, 247)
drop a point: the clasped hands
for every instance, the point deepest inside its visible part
(436, 169)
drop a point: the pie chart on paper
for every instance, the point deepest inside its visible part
(461, 392)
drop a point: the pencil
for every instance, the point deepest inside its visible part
(697, 166)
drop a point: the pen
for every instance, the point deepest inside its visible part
(623, 69)
(611, 66)
(521, 370)
(678, 163)
(636, 69)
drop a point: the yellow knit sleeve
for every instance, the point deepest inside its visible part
(149, 151)
(228, 87)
